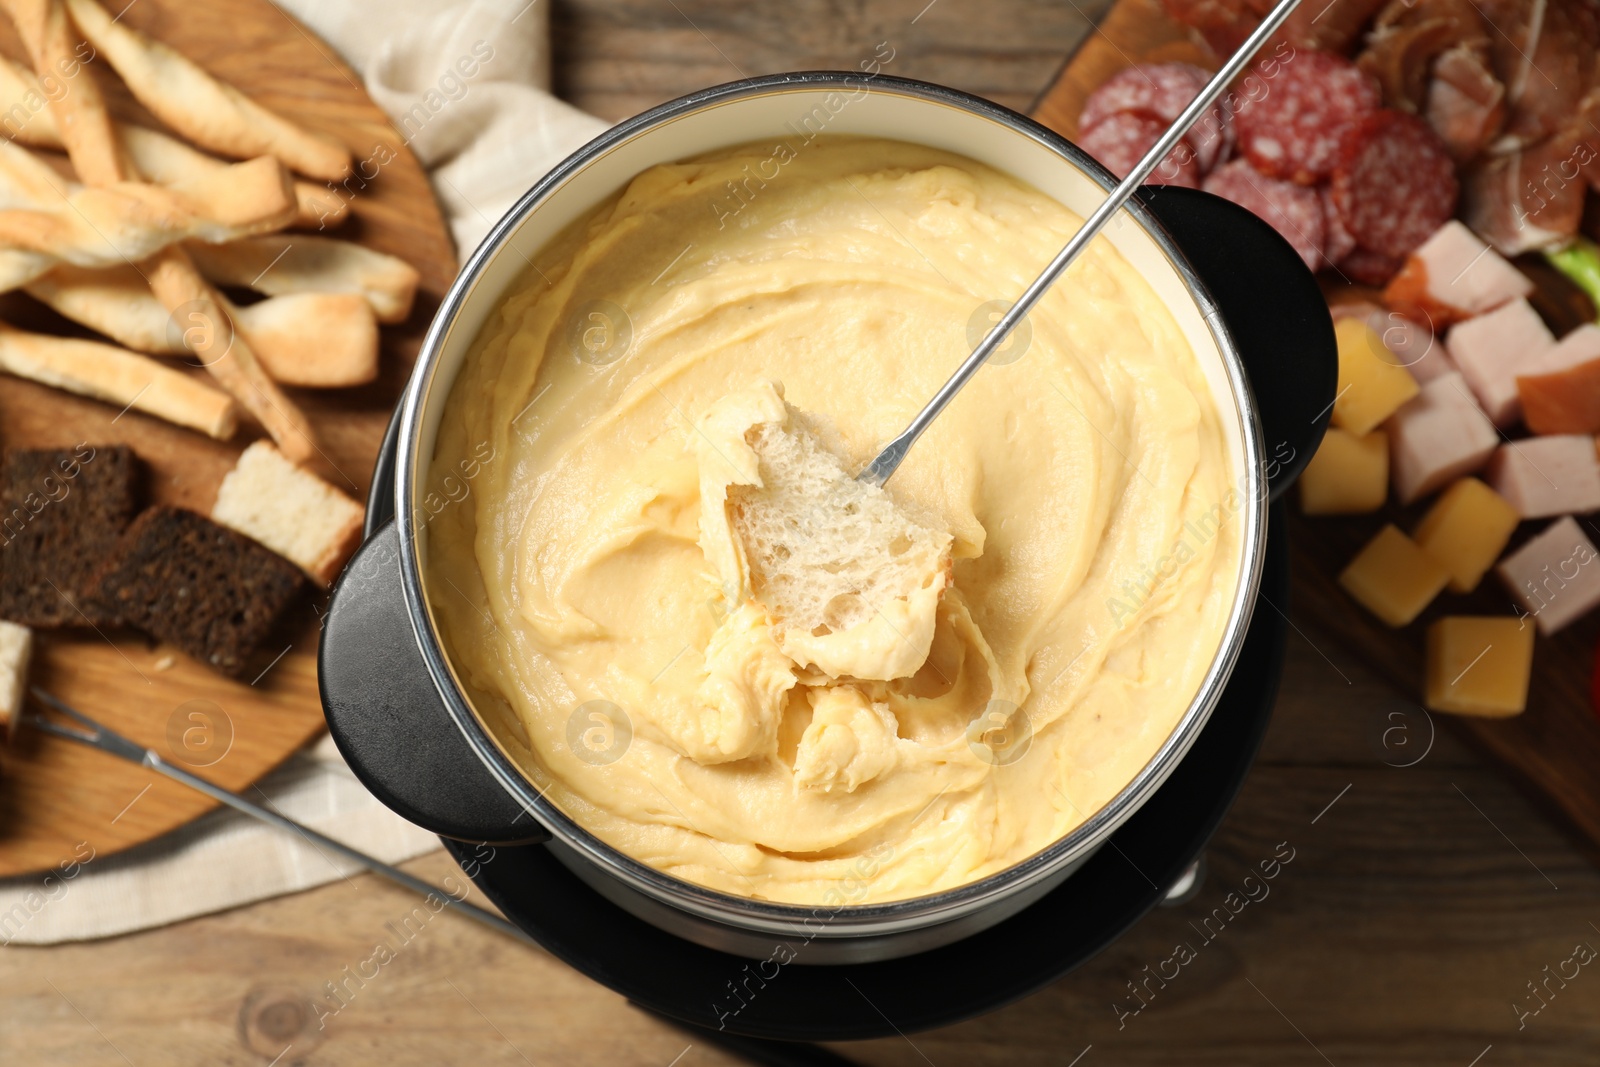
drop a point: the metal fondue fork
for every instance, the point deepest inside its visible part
(106, 740)
(884, 464)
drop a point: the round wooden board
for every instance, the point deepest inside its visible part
(58, 798)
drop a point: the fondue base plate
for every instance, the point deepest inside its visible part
(790, 1001)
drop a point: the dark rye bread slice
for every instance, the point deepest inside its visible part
(61, 513)
(212, 592)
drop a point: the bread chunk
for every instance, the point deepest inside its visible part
(16, 648)
(290, 510)
(61, 511)
(212, 592)
(849, 578)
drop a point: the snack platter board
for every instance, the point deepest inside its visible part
(1552, 749)
(58, 799)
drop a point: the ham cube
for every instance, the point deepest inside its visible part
(1414, 346)
(1555, 576)
(1560, 389)
(1491, 350)
(1452, 276)
(1547, 476)
(1436, 437)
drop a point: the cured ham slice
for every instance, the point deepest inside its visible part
(1546, 52)
(1555, 576)
(1560, 389)
(1547, 476)
(1436, 437)
(1452, 276)
(1464, 102)
(1492, 349)
(1528, 198)
(1224, 24)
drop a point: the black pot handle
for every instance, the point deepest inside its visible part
(386, 715)
(1275, 312)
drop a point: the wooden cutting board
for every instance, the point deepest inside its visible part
(58, 800)
(1553, 749)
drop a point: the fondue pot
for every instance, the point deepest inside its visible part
(403, 718)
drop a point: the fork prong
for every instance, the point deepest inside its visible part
(56, 729)
(95, 734)
(64, 708)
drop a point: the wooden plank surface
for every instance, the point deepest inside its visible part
(55, 795)
(1413, 914)
(1553, 749)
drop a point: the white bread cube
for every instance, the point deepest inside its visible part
(1491, 351)
(290, 510)
(1555, 576)
(16, 648)
(1547, 476)
(1436, 437)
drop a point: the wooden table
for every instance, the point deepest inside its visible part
(1419, 904)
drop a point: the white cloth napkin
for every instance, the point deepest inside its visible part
(467, 85)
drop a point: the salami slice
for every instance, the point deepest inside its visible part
(1293, 210)
(1368, 267)
(1163, 90)
(1337, 241)
(1295, 109)
(1122, 138)
(1395, 183)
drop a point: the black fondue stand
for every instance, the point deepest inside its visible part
(766, 1009)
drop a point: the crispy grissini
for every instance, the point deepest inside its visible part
(127, 221)
(224, 351)
(117, 376)
(210, 113)
(158, 157)
(315, 340)
(49, 36)
(300, 263)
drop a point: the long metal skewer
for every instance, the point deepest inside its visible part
(884, 464)
(106, 740)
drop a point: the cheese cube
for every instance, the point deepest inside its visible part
(1479, 665)
(1490, 350)
(1411, 343)
(1372, 384)
(1547, 476)
(16, 647)
(1555, 576)
(1466, 529)
(1438, 436)
(1393, 578)
(1348, 475)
